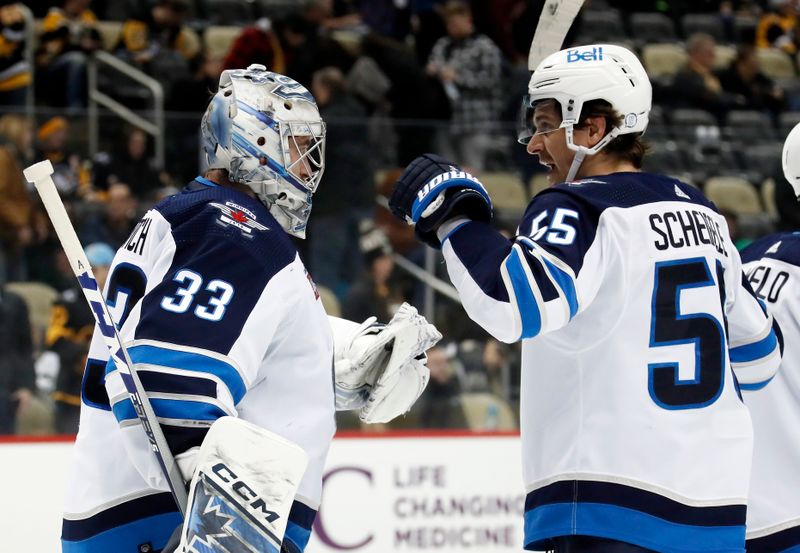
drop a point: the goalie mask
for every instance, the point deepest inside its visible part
(266, 131)
(791, 159)
(575, 76)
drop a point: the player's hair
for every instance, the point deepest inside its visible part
(628, 147)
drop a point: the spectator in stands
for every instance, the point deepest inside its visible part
(191, 95)
(777, 28)
(15, 72)
(333, 230)
(469, 66)
(17, 229)
(744, 80)
(440, 404)
(68, 336)
(131, 164)
(17, 376)
(69, 35)
(114, 224)
(296, 46)
(374, 293)
(16, 134)
(258, 43)
(159, 43)
(71, 175)
(696, 85)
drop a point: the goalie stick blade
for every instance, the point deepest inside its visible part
(554, 23)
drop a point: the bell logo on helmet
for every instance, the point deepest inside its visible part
(595, 54)
(630, 120)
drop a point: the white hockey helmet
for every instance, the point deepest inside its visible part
(791, 159)
(266, 131)
(575, 76)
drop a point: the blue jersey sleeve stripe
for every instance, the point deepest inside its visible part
(171, 409)
(123, 410)
(297, 535)
(193, 362)
(179, 384)
(526, 301)
(155, 529)
(567, 286)
(627, 525)
(756, 350)
(753, 386)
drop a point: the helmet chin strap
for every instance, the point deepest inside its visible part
(582, 151)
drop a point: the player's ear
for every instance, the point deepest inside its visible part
(595, 127)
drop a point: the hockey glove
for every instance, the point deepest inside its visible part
(433, 190)
(380, 369)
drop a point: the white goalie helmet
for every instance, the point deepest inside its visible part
(791, 159)
(266, 131)
(575, 76)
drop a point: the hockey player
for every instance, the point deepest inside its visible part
(772, 265)
(220, 318)
(629, 299)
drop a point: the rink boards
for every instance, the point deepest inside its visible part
(439, 491)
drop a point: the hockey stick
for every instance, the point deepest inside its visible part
(556, 19)
(40, 175)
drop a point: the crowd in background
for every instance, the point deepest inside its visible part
(393, 79)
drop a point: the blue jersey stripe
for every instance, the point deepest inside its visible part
(119, 515)
(785, 541)
(756, 350)
(567, 286)
(298, 528)
(189, 361)
(154, 530)
(589, 491)
(171, 409)
(755, 385)
(628, 525)
(298, 535)
(526, 301)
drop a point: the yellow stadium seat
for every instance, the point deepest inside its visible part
(663, 60)
(768, 198)
(485, 411)
(109, 33)
(219, 39)
(733, 194)
(506, 191)
(775, 63)
(723, 56)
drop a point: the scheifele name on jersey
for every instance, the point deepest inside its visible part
(686, 228)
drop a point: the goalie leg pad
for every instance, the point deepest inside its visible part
(242, 490)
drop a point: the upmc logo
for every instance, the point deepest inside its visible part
(595, 54)
(319, 526)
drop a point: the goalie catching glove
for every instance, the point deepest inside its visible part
(380, 369)
(432, 191)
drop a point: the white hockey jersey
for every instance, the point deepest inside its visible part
(772, 265)
(633, 312)
(221, 318)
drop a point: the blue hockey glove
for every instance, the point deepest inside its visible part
(433, 190)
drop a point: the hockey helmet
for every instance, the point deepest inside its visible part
(791, 159)
(266, 131)
(575, 76)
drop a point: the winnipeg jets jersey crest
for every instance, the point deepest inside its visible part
(772, 265)
(637, 329)
(213, 304)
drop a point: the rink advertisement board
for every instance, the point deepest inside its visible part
(438, 492)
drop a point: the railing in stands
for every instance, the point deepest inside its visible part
(154, 128)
